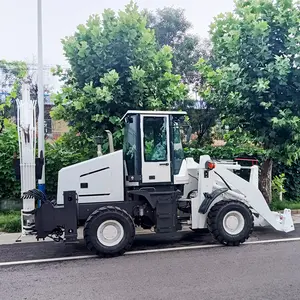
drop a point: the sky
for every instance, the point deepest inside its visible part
(18, 23)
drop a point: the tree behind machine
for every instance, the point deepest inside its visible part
(115, 66)
(254, 82)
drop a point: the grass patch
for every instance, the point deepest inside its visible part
(10, 221)
(281, 205)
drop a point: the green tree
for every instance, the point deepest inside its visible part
(11, 76)
(67, 150)
(9, 186)
(172, 28)
(255, 79)
(202, 118)
(115, 66)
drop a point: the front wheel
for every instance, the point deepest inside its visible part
(109, 231)
(230, 222)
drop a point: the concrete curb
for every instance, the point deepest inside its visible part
(293, 211)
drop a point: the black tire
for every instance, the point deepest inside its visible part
(215, 222)
(97, 218)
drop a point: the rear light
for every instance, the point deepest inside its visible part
(210, 165)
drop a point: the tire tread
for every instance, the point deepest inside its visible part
(212, 223)
(88, 238)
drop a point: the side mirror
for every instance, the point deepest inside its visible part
(129, 119)
(110, 141)
(99, 147)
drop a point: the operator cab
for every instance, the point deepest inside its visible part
(153, 151)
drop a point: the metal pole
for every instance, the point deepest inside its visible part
(41, 127)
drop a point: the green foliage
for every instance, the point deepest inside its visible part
(69, 149)
(254, 81)
(278, 185)
(201, 120)
(281, 205)
(9, 187)
(11, 76)
(292, 181)
(172, 29)
(232, 150)
(10, 221)
(229, 151)
(115, 66)
(10, 71)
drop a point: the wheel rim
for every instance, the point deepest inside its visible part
(233, 222)
(110, 233)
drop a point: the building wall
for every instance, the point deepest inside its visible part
(54, 128)
(58, 128)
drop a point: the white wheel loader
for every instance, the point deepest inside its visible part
(146, 185)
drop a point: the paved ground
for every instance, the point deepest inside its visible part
(268, 271)
(42, 250)
(261, 271)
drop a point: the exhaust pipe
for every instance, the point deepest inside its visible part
(99, 147)
(99, 150)
(110, 141)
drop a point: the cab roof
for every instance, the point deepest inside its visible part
(153, 112)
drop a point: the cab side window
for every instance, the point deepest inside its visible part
(155, 139)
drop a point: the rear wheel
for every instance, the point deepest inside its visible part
(109, 231)
(230, 222)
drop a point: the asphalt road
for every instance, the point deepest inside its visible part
(262, 271)
(43, 250)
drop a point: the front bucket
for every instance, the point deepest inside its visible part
(284, 221)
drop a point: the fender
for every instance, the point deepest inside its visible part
(209, 198)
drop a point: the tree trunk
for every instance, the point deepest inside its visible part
(265, 182)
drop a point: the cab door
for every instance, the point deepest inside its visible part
(155, 148)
